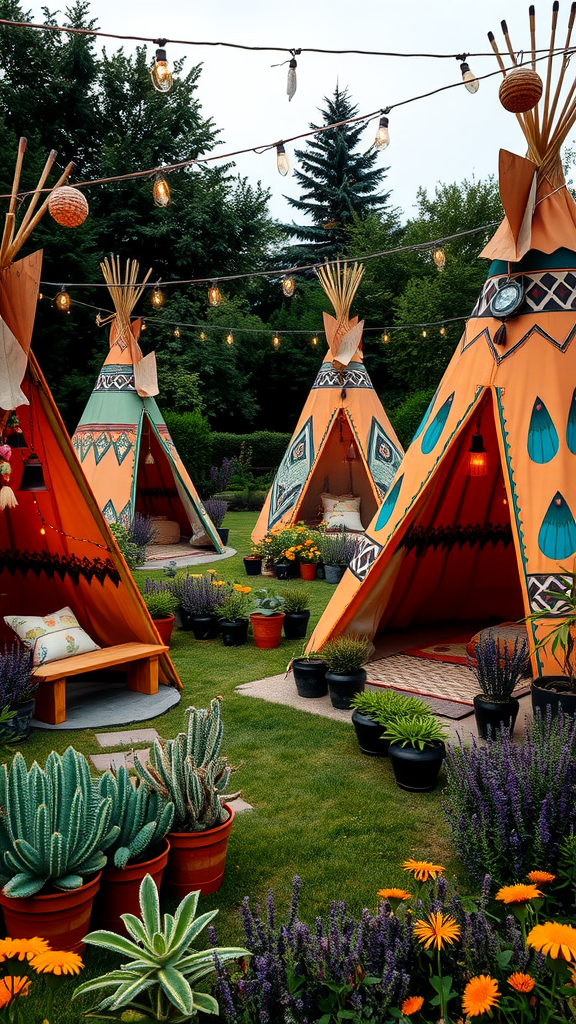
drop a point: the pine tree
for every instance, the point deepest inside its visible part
(339, 183)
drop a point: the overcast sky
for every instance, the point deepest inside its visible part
(441, 139)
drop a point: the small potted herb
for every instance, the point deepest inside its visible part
(416, 751)
(161, 605)
(216, 509)
(337, 550)
(297, 613)
(345, 656)
(233, 615)
(198, 598)
(17, 691)
(310, 675)
(143, 532)
(499, 668)
(253, 561)
(373, 712)
(267, 619)
(557, 692)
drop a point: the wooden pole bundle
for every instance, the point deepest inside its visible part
(340, 282)
(124, 292)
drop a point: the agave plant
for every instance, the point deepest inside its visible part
(54, 825)
(143, 816)
(156, 983)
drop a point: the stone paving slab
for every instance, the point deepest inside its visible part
(126, 739)
(118, 759)
(240, 805)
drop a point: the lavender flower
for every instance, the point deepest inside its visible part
(142, 530)
(216, 509)
(16, 685)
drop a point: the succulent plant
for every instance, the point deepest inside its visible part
(142, 815)
(266, 603)
(189, 771)
(55, 825)
(418, 731)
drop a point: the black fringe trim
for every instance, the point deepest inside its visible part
(39, 562)
(448, 537)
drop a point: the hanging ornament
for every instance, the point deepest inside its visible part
(157, 298)
(68, 206)
(382, 139)
(7, 496)
(351, 455)
(478, 456)
(288, 286)
(15, 435)
(149, 460)
(214, 297)
(291, 83)
(520, 90)
(161, 191)
(282, 161)
(439, 257)
(229, 338)
(276, 341)
(469, 78)
(160, 73)
(32, 475)
(62, 301)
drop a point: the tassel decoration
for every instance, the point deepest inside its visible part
(7, 497)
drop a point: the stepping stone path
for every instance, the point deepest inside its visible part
(116, 758)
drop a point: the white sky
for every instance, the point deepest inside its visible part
(444, 138)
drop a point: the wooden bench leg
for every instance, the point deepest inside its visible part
(143, 675)
(50, 702)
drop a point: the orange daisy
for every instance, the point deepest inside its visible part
(422, 869)
(521, 982)
(540, 877)
(411, 1005)
(519, 893)
(12, 986)
(22, 949)
(55, 961)
(480, 995)
(394, 894)
(436, 930)
(554, 939)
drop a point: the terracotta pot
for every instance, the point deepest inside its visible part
(62, 918)
(267, 629)
(165, 625)
(308, 571)
(120, 887)
(197, 860)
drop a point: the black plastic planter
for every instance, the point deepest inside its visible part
(204, 627)
(491, 715)
(369, 735)
(334, 573)
(310, 677)
(282, 570)
(553, 692)
(253, 566)
(414, 769)
(343, 687)
(296, 624)
(19, 726)
(234, 632)
(223, 533)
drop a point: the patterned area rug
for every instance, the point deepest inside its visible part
(452, 651)
(428, 678)
(158, 552)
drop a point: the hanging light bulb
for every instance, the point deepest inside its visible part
(314, 341)
(478, 456)
(276, 341)
(202, 336)
(143, 326)
(439, 257)
(149, 460)
(382, 139)
(442, 331)
(229, 338)
(157, 298)
(424, 334)
(42, 531)
(160, 73)
(214, 297)
(282, 161)
(469, 78)
(176, 332)
(161, 191)
(385, 337)
(62, 301)
(40, 296)
(292, 82)
(288, 286)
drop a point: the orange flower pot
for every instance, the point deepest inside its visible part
(308, 570)
(165, 625)
(197, 860)
(62, 918)
(120, 888)
(267, 630)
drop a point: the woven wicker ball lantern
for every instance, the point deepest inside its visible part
(68, 206)
(520, 90)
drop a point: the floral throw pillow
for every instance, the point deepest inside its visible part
(51, 637)
(342, 511)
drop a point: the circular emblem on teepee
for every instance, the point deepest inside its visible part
(520, 90)
(68, 206)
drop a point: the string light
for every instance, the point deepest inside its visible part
(385, 337)
(382, 139)
(439, 257)
(424, 334)
(288, 286)
(229, 338)
(160, 73)
(143, 326)
(214, 297)
(62, 301)
(314, 341)
(442, 331)
(176, 332)
(161, 191)
(468, 77)
(291, 83)
(157, 298)
(202, 336)
(276, 341)
(40, 296)
(62, 533)
(282, 161)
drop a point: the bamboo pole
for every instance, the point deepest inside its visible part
(532, 15)
(532, 147)
(33, 202)
(560, 82)
(527, 118)
(23, 235)
(10, 216)
(546, 108)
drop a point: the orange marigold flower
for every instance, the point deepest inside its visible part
(394, 894)
(422, 869)
(13, 986)
(308, 542)
(436, 930)
(554, 939)
(521, 982)
(480, 995)
(519, 893)
(22, 949)
(411, 1005)
(540, 877)
(55, 961)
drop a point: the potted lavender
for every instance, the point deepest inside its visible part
(337, 551)
(499, 668)
(198, 598)
(216, 509)
(17, 690)
(142, 533)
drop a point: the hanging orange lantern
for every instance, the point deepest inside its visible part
(68, 206)
(477, 454)
(520, 90)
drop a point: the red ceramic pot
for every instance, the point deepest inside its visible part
(267, 629)
(308, 571)
(62, 918)
(120, 889)
(165, 625)
(197, 859)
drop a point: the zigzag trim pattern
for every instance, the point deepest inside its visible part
(39, 562)
(447, 537)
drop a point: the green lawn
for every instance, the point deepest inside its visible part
(321, 810)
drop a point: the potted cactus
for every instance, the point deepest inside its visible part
(161, 604)
(267, 619)
(144, 817)
(54, 830)
(190, 771)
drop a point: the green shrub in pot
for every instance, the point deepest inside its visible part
(416, 751)
(296, 600)
(160, 604)
(345, 656)
(143, 816)
(373, 710)
(267, 603)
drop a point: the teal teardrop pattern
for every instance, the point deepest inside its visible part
(557, 536)
(571, 425)
(542, 435)
(389, 504)
(432, 435)
(424, 419)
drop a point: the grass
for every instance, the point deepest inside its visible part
(321, 810)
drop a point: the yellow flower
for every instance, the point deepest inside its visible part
(196, 575)
(411, 1005)
(436, 930)
(480, 995)
(517, 894)
(554, 939)
(422, 869)
(540, 877)
(211, 571)
(12, 986)
(521, 982)
(394, 894)
(23, 949)
(300, 529)
(55, 961)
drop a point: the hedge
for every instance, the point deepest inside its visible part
(267, 446)
(193, 438)
(407, 416)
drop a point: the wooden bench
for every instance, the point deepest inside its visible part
(141, 662)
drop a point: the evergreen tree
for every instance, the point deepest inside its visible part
(338, 182)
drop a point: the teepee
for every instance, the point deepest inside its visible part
(122, 441)
(344, 442)
(56, 548)
(479, 523)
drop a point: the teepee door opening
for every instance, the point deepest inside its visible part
(460, 563)
(157, 492)
(340, 469)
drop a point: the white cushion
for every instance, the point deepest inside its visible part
(342, 511)
(51, 637)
